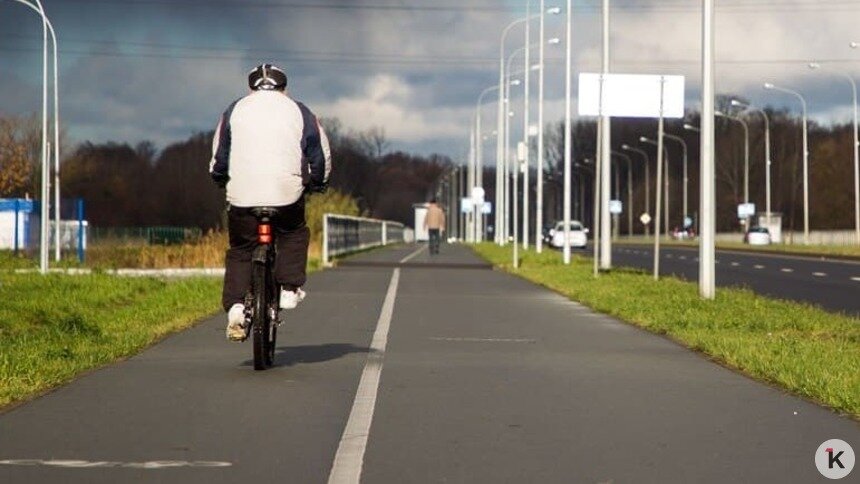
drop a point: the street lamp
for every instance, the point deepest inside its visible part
(746, 127)
(647, 162)
(502, 109)
(799, 96)
(666, 183)
(767, 159)
(526, 98)
(477, 169)
(567, 127)
(47, 27)
(815, 66)
(684, 146)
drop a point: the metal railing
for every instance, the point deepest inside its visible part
(345, 234)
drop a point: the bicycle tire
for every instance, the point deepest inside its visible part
(260, 321)
(273, 300)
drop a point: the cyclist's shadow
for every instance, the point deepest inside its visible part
(309, 354)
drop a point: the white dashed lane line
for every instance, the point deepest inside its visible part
(786, 269)
(735, 264)
(758, 266)
(855, 279)
(819, 274)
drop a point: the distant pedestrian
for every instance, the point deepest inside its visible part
(434, 222)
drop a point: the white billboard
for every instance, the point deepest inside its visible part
(631, 95)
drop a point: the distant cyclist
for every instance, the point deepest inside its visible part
(434, 222)
(268, 151)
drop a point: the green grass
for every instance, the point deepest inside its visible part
(56, 326)
(801, 348)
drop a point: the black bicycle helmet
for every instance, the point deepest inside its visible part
(267, 77)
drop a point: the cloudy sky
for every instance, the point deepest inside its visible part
(160, 70)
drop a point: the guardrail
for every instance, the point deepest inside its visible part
(345, 234)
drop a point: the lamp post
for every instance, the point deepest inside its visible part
(479, 152)
(767, 160)
(647, 162)
(629, 191)
(502, 109)
(47, 27)
(771, 86)
(685, 190)
(567, 134)
(604, 160)
(707, 176)
(814, 66)
(666, 204)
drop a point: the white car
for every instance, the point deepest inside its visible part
(578, 237)
(758, 236)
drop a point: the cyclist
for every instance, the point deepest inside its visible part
(268, 151)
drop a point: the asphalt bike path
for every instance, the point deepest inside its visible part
(439, 371)
(832, 284)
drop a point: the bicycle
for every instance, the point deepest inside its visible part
(262, 306)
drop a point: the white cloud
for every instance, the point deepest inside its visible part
(388, 101)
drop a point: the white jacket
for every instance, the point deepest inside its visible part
(269, 148)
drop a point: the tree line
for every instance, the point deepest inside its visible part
(140, 185)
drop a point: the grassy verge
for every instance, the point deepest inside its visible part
(801, 348)
(847, 251)
(54, 327)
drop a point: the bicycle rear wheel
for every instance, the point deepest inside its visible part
(261, 326)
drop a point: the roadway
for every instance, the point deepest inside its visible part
(436, 370)
(831, 284)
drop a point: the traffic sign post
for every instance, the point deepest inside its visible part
(645, 218)
(638, 96)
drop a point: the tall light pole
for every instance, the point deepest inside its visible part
(540, 140)
(814, 66)
(526, 141)
(629, 191)
(666, 204)
(502, 109)
(767, 160)
(686, 179)
(799, 96)
(707, 192)
(568, 142)
(479, 150)
(647, 163)
(604, 164)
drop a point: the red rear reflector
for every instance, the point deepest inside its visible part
(264, 229)
(264, 239)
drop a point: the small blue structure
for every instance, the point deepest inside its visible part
(17, 216)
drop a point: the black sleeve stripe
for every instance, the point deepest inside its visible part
(222, 154)
(313, 157)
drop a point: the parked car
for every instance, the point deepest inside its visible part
(757, 236)
(578, 235)
(682, 234)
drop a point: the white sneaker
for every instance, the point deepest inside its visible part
(290, 299)
(236, 323)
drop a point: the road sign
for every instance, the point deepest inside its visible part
(631, 95)
(746, 210)
(616, 207)
(688, 222)
(487, 208)
(645, 219)
(478, 195)
(466, 205)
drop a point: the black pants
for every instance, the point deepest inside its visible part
(435, 238)
(291, 241)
